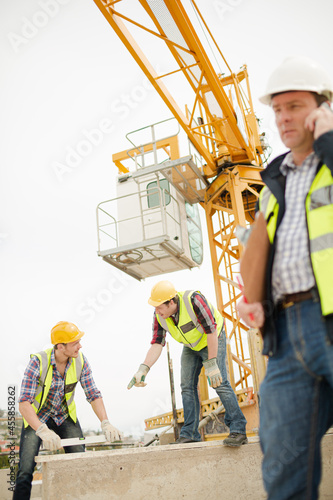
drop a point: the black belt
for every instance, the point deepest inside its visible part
(293, 298)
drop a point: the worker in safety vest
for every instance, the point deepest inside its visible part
(296, 396)
(194, 322)
(47, 404)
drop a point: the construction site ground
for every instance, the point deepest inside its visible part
(170, 472)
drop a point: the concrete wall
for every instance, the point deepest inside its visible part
(171, 472)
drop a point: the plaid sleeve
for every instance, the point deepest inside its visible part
(203, 313)
(87, 382)
(30, 381)
(158, 332)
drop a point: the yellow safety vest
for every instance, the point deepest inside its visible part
(46, 371)
(189, 331)
(319, 217)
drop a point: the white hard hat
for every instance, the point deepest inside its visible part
(298, 73)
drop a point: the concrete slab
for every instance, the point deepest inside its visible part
(189, 471)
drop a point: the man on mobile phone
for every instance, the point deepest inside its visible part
(296, 396)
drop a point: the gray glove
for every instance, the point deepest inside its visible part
(139, 377)
(51, 440)
(213, 372)
(111, 433)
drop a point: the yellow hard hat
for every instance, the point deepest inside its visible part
(65, 332)
(161, 292)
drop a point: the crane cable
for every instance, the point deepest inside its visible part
(203, 23)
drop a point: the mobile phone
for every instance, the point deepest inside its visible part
(325, 105)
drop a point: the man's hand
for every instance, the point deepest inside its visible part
(111, 433)
(139, 377)
(51, 440)
(252, 314)
(213, 373)
(320, 120)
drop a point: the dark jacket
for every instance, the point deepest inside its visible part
(276, 182)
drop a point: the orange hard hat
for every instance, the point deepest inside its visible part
(65, 332)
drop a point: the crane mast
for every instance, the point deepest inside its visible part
(220, 123)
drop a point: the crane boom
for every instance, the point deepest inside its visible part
(218, 137)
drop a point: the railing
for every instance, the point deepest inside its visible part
(141, 151)
(162, 215)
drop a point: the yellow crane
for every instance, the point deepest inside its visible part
(222, 129)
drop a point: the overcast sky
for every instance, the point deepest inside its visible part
(64, 74)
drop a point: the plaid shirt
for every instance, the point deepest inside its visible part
(55, 406)
(202, 312)
(292, 270)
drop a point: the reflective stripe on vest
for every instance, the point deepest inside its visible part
(45, 379)
(319, 216)
(189, 331)
(319, 211)
(43, 366)
(269, 206)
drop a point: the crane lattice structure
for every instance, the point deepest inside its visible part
(221, 125)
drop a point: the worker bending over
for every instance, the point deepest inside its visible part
(47, 404)
(296, 396)
(192, 321)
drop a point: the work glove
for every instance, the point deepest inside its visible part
(51, 440)
(139, 377)
(213, 372)
(111, 433)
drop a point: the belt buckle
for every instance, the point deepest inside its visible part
(288, 304)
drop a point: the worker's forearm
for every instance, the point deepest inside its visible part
(29, 414)
(153, 354)
(99, 409)
(212, 344)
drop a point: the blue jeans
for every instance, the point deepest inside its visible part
(191, 364)
(29, 447)
(296, 404)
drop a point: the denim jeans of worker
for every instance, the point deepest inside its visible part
(296, 404)
(29, 447)
(191, 364)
